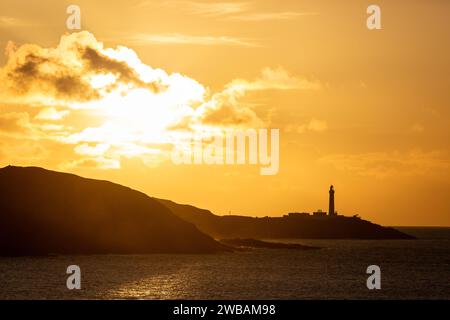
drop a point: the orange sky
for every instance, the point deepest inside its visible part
(365, 110)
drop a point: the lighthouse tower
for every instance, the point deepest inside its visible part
(331, 211)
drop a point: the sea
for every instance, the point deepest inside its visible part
(409, 269)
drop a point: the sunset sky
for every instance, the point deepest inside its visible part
(364, 110)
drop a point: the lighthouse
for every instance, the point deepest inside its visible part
(331, 211)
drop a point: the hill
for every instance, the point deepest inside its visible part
(43, 212)
(296, 226)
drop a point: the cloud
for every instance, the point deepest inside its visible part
(87, 150)
(10, 48)
(224, 108)
(14, 122)
(313, 125)
(6, 21)
(388, 164)
(100, 63)
(275, 79)
(268, 16)
(103, 104)
(210, 9)
(29, 72)
(66, 72)
(238, 11)
(19, 125)
(51, 114)
(178, 39)
(95, 162)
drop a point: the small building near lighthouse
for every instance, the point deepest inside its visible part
(319, 213)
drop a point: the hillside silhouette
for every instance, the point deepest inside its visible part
(44, 212)
(295, 226)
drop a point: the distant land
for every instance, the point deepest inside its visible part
(252, 243)
(43, 212)
(294, 225)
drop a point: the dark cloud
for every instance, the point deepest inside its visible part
(28, 74)
(100, 63)
(63, 72)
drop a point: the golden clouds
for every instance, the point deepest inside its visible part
(275, 79)
(224, 107)
(315, 125)
(6, 21)
(184, 39)
(239, 11)
(99, 162)
(51, 114)
(128, 109)
(65, 72)
(214, 9)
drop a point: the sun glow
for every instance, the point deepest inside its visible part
(108, 104)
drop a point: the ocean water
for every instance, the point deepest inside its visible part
(410, 269)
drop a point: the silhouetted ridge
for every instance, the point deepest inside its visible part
(300, 227)
(43, 211)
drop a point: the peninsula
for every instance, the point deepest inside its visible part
(43, 212)
(294, 225)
